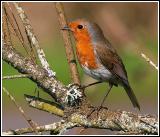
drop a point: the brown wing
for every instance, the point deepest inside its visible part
(110, 59)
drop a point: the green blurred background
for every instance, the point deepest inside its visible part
(130, 27)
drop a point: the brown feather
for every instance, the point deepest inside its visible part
(108, 56)
(110, 59)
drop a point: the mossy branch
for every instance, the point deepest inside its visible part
(122, 121)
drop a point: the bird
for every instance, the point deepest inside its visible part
(98, 58)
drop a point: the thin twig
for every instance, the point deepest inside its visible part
(16, 31)
(149, 61)
(33, 39)
(19, 34)
(6, 35)
(16, 76)
(67, 43)
(29, 120)
(41, 104)
(56, 128)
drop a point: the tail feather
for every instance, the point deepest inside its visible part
(132, 96)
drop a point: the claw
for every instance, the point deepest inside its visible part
(95, 109)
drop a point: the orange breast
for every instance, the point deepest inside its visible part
(85, 54)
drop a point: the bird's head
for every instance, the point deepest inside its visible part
(84, 30)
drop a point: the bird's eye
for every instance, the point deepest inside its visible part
(80, 27)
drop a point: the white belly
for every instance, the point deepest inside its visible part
(100, 74)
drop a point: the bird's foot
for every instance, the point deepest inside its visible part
(95, 109)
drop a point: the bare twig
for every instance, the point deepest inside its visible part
(6, 35)
(45, 105)
(16, 76)
(29, 121)
(33, 39)
(17, 32)
(149, 61)
(56, 128)
(68, 46)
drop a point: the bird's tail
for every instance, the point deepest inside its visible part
(132, 96)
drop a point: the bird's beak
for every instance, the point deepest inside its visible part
(66, 28)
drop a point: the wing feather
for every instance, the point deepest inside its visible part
(108, 56)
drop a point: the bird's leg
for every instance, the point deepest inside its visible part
(107, 93)
(101, 106)
(91, 84)
(85, 86)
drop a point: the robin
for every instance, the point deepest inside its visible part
(98, 58)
